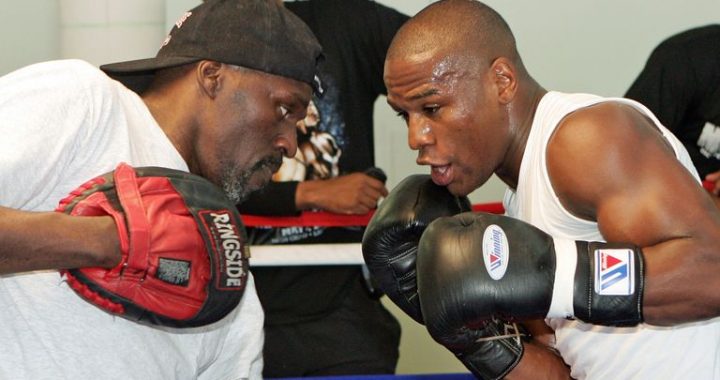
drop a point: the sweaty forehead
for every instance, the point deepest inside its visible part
(431, 66)
(434, 46)
(410, 84)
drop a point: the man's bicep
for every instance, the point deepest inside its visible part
(651, 197)
(611, 165)
(639, 193)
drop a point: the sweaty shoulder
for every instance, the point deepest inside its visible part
(597, 122)
(592, 149)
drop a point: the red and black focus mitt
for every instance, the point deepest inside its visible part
(183, 246)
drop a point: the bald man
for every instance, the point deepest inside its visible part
(579, 169)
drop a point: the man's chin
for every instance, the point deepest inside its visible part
(256, 183)
(238, 193)
(244, 185)
(457, 189)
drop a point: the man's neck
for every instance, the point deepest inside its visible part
(172, 109)
(521, 116)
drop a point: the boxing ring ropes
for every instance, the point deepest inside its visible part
(328, 254)
(319, 254)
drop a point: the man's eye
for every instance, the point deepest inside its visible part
(431, 109)
(284, 111)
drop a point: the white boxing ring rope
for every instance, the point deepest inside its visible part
(306, 254)
(319, 254)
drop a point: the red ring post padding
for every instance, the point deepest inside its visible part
(327, 219)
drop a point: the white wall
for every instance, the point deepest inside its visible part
(595, 46)
(104, 31)
(29, 32)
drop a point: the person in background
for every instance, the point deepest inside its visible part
(323, 320)
(213, 102)
(680, 84)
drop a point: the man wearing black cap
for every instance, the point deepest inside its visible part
(221, 100)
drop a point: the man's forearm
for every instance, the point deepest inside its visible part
(48, 240)
(681, 283)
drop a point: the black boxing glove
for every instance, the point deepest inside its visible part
(506, 268)
(390, 241)
(490, 350)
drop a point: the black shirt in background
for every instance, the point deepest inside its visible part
(680, 84)
(355, 35)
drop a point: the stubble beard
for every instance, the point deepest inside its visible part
(236, 182)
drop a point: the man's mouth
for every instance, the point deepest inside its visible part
(270, 163)
(442, 175)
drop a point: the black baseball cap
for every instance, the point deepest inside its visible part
(255, 34)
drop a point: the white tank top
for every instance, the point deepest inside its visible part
(598, 352)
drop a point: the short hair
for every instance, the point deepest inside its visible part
(456, 24)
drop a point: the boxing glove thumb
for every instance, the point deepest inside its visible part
(390, 241)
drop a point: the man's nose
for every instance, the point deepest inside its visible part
(287, 140)
(419, 133)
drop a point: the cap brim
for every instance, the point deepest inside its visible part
(138, 74)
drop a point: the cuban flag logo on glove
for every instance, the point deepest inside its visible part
(495, 251)
(614, 272)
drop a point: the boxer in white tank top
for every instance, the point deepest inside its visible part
(642, 352)
(582, 169)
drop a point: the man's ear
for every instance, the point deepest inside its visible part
(505, 77)
(208, 74)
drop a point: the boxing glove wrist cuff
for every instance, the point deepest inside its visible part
(597, 282)
(609, 283)
(561, 305)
